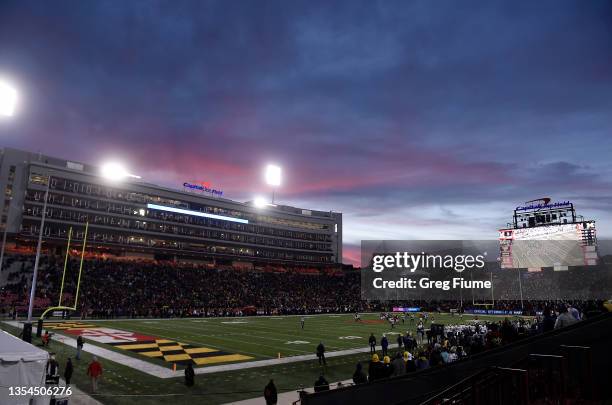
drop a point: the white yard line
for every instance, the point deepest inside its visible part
(162, 372)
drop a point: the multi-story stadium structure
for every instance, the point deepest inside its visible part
(133, 217)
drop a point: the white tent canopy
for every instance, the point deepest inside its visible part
(21, 365)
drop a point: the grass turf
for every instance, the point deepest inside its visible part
(258, 337)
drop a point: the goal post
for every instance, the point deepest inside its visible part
(76, 298)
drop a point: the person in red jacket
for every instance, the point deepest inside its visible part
(94, 371)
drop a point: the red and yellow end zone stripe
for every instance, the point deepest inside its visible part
(181, 353)
(68, 325)
(151, 347)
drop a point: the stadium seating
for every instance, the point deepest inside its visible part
(116, 288)
(566, 364)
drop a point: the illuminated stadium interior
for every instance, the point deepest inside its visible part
(210, 202)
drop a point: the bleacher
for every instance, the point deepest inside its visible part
(569, 365)
(563, 377)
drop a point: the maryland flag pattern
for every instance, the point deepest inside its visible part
(148, 346)
(180, 353)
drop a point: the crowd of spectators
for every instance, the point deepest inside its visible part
(122, 288)
(455, 342)
(111, 288)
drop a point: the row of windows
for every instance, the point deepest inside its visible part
(8, 191)
(131, 210)
(78, 216)
(95, 236)
(142, 198)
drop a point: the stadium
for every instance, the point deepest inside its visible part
(152, 291)
(305, 203)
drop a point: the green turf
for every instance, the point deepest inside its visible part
(259, 337)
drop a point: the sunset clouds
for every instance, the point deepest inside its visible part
(414, 119)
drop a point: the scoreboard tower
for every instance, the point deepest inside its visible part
(547, 234)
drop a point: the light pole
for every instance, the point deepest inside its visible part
(8, 103)
(3, 242)
(38, 248)
(273, 178)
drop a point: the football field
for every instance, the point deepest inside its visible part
(212, 343)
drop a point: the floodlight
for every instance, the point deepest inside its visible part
(115, 171)
(8, 99)
(260, 202)
(273, 175)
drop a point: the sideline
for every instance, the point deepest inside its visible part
(79, 397)
(287, 398)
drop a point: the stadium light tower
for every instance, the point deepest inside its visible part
(116, 172)
(8, 99)
(260, 202)
(8, 103)
(273, 178)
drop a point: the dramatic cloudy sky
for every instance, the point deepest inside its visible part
(415, 119)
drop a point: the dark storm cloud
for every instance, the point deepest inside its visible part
(375, 109)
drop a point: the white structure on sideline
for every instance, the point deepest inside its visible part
(21, 365)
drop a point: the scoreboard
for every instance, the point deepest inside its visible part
(548, 235)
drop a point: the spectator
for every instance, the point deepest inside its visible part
(384, 343)
(420, 332)
(574, 312)
(452, 355)
(94, 371)
(410, 363)
(375, 370)
(359, 376)
(270, 393)
(548, 321)
(68, 371)
(422, 362)
(52, 369)
(444, 354)
(189, 375)
(45, 339)
(409, 342)
(321, 384)
(435, 358)
(79, 347)
(372, 342)
(321, 353)
(387, 368)
(399, 367)
(564, 319)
